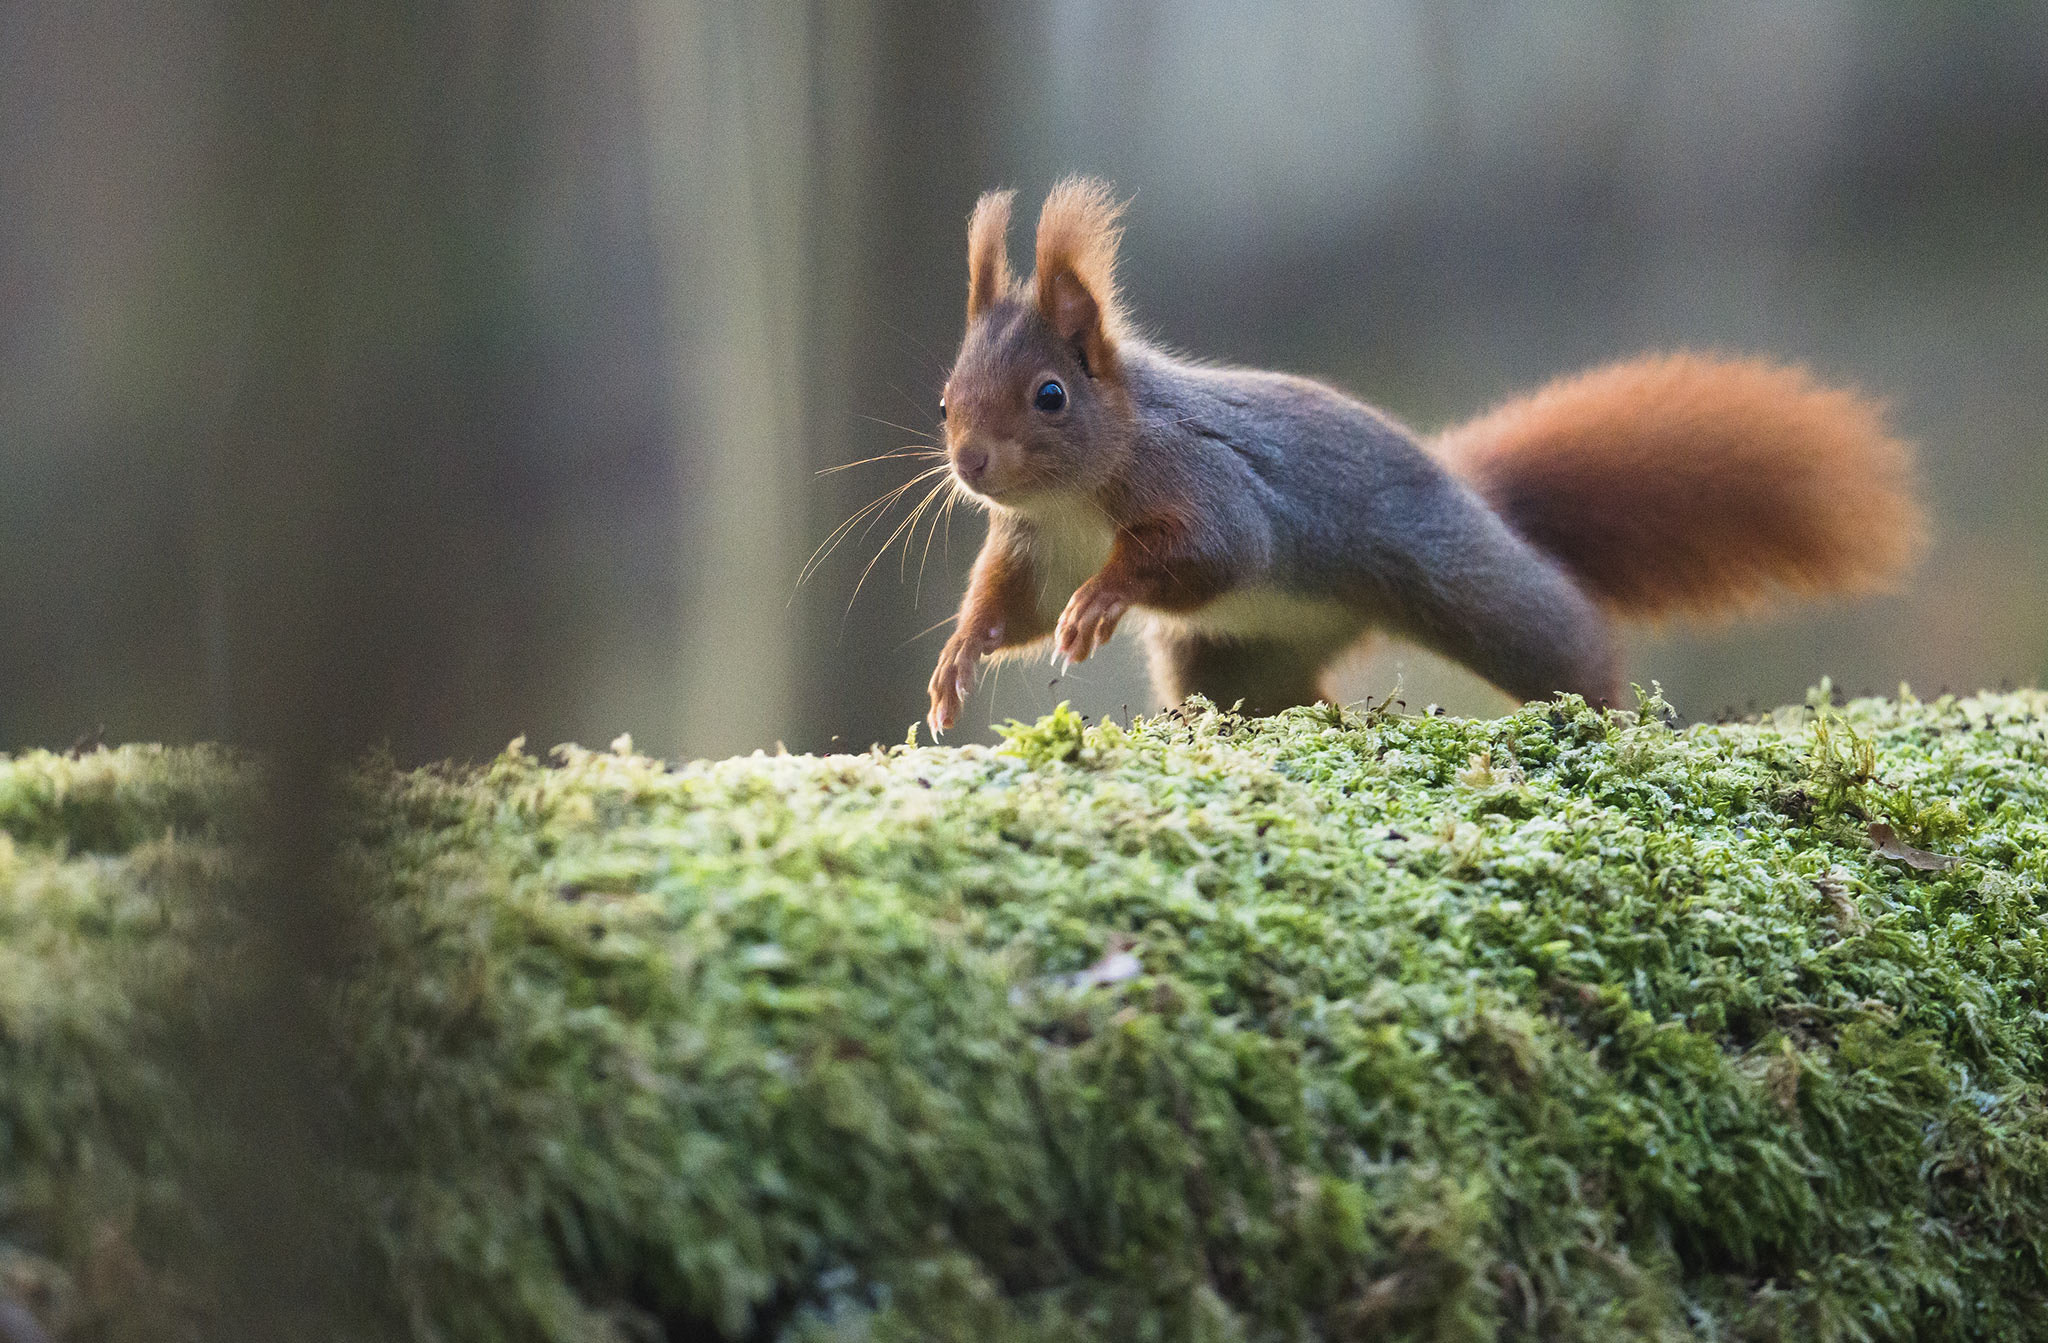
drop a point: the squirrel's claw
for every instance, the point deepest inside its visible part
(952, 682)
(1090, 618)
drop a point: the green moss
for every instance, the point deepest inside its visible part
(1562, 1025)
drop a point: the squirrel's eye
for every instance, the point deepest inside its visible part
(942, 407)
(1051, 397)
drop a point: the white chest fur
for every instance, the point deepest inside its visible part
(1267, 613)
(1069, 544)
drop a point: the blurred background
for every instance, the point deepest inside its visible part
(436, 374)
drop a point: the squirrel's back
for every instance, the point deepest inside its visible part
(1685, 483)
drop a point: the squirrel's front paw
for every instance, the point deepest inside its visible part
(953, 681)
(1090, 618)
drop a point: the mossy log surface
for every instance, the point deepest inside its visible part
(1564, 1025)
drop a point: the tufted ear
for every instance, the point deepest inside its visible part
(988, 251)
(1076, 280)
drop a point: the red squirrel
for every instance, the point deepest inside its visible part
(1262, 524)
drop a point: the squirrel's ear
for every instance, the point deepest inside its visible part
(1076, 280)
(988, 251)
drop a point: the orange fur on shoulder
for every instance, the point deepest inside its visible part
(1075, 283)
(988, 251)
(1688, 483)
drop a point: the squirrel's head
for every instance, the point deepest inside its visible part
(1035, 408)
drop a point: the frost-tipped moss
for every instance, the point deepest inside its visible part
(1562, 1026)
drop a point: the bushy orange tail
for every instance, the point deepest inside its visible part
(1688, 484)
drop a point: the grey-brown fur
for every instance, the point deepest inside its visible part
(1332, 499)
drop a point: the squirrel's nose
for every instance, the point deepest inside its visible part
(971, 463)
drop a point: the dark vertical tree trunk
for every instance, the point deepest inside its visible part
(382, 508)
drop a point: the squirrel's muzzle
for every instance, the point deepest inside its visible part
(970, 463)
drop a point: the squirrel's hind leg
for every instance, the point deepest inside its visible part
(1264, 676)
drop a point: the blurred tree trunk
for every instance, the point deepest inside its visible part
(362, 533)
(813, 175)
(727, 90)
(381, 506)
(489, 470)
(896, 181)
